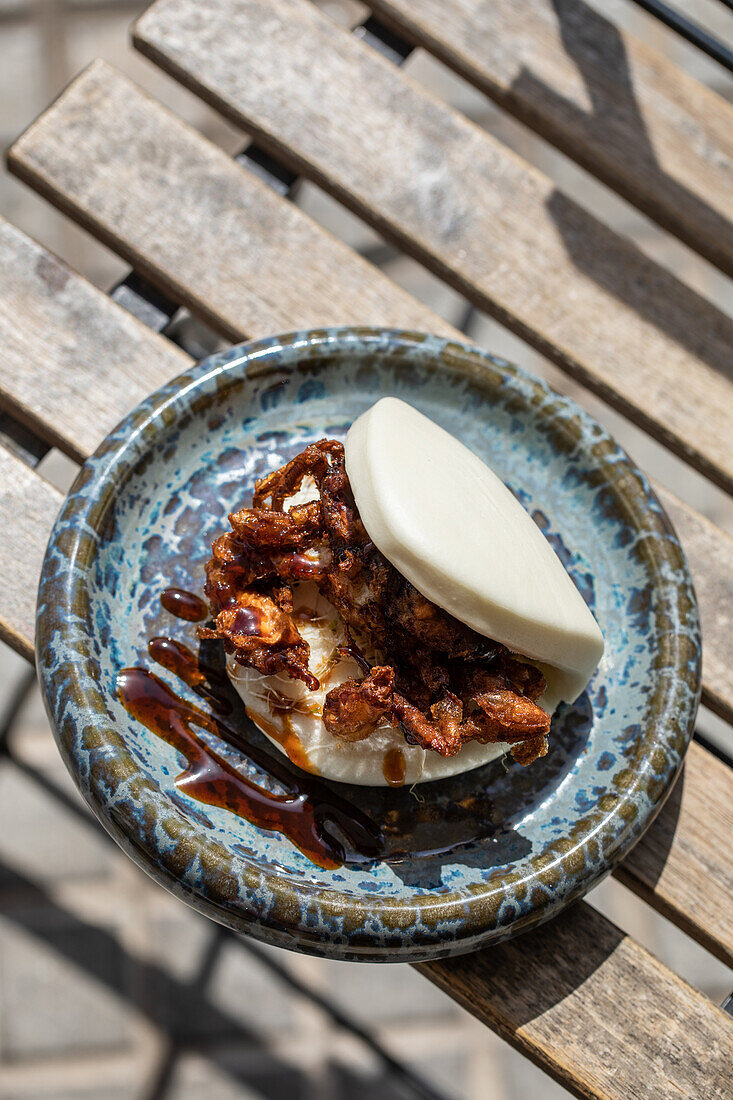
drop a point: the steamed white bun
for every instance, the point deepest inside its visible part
(449, 525)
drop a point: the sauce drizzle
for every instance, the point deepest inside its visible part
(393, 767)
(303, 568)
(208, 682)
(184, 605)
(247, 621)
(306, 813)
(284, 734)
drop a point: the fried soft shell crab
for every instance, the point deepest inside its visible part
(419, 674)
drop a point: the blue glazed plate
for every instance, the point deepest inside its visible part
(460, 863)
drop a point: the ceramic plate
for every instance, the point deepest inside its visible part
(390, 874)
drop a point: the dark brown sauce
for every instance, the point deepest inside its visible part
(305, 814)
(224, 587)
(393, 767)
(298, 567)
(247, 620)
(184, 605)
(303, 569)
(285, 735)
(351, 649)
(210, 683)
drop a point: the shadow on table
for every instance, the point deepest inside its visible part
(184, 1011)
(581, 943)
(643, 284)
(149, 988)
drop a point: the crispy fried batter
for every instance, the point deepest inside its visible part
(444, 684)
(278, 531)
(354, 709)
(263, 635)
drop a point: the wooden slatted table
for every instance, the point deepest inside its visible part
(579, 997)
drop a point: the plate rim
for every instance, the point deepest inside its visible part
(61, 601)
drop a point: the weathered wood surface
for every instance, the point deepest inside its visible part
(454, 197)
(576, 972)
(73, 363)
(615, 105)
(682, 865)
(169, 201)
(709, 553)
(624, 1032)
(28, 507)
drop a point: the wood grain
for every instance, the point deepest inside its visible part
(28, 507)
(73, 363)
(709, 553)
(680, 865)
(169, 202)
(615, 105)
(623, 1032)
(455, 198)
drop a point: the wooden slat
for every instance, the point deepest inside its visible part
(73, 363)
(710, 556)
(615, 105)
(624, 1032)
(458, 200)
(169, 201)
(573, 964)
(677, 866)
(28, 507)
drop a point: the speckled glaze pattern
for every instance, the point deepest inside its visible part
(509, 847)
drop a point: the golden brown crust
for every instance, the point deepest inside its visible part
(354, 709)
(444, 684)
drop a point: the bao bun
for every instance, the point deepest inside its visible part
(449, 525)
